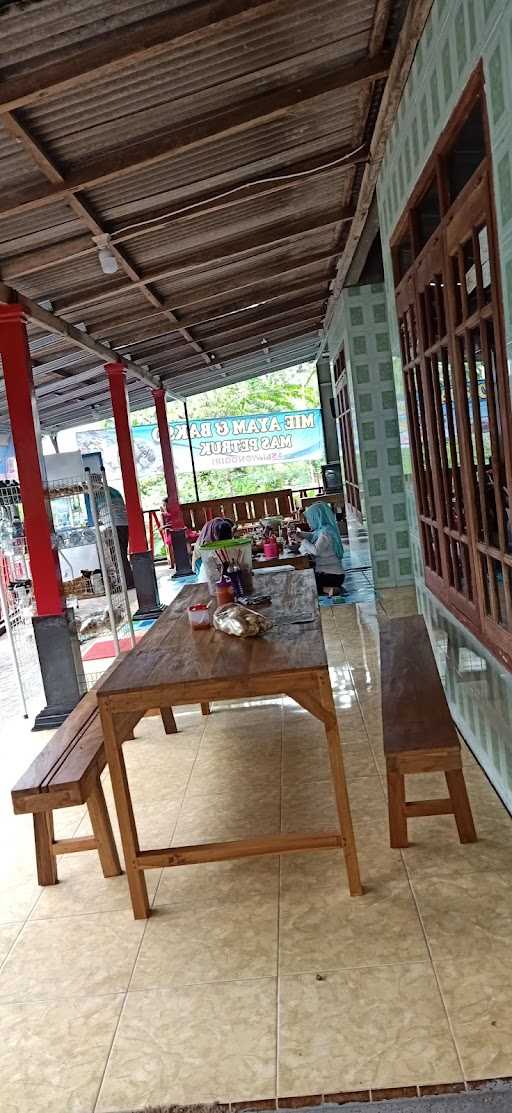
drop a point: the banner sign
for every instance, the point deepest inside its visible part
(217, 442)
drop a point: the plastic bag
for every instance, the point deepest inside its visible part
(240, 621)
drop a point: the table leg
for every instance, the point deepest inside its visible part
(126, 819)
(168, 720)
(340, 785)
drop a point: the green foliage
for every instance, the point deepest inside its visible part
(293, 389)
(296, 388)
(233, 481)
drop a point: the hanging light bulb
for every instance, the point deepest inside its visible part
(107, 259)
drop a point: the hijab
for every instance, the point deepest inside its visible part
(217, 529)
(321, 518)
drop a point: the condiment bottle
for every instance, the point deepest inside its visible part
(236, 580)
(224, 591)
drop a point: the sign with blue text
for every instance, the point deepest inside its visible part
(217, 442)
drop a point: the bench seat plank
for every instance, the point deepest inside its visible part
(415, 712)
(40, 770)
(418, 732)
(67, 773)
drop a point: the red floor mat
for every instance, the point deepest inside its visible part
(100, 650)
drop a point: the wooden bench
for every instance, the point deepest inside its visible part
(66, 773)
(419, 734)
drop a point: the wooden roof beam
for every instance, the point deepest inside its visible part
(41, 159)
(241, 310)
(257, 325)
(218, 252)
(81, 377)
(53, 255)
(252, 286)
(248, 366)
(80, 338)
(157, 148)
(252, 343)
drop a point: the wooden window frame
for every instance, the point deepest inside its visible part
(346, 425)
(460, 558)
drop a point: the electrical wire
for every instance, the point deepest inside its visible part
(236, 189)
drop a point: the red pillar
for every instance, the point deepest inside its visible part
(19, 389)
(173, 502)
(117, 382)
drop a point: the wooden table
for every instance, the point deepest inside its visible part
(299, 561)
(174, 665)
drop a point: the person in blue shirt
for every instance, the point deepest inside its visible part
(325, 546)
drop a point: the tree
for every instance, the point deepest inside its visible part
(296, 388)
(293, 389)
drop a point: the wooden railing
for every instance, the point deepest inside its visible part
(240, 508)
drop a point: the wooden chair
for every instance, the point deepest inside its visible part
(67, 772)
(419, 734)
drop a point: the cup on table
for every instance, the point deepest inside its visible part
(199, 616)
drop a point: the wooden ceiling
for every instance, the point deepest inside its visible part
(222, 146)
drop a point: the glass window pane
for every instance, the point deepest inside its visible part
(403, 255)
(466, 153)
(428, 214)
(457, 289)
(458, 516)
(470, 276)
(482, 241)
(497, 591)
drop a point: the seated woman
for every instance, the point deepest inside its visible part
(217, 529)
(325, 546)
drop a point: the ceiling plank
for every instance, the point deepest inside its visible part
(216, 314)
(414, 22)
(258, 323)
(249, 347)
(80, 338)
(218, 252)
(52, 255)
(41, 158)
(157, 148)
(267, 280)
(140, 42)
(81, 377)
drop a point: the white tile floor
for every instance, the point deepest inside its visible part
(262, 977)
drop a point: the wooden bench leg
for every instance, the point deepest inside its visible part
(397, 818)
(102, 827)
(168, 720)
(45, 858)
(205, 709)
(461, 806)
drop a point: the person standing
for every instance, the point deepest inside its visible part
(120, 524)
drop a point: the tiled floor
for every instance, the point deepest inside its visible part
(262, 976)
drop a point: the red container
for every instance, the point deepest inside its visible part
(271, 548)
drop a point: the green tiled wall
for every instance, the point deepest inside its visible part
(458, 34)
(361, 326)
